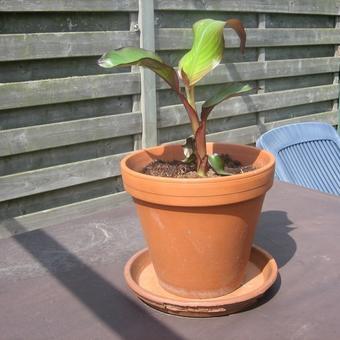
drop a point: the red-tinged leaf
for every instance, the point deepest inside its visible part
(238, 27)
(137, 56)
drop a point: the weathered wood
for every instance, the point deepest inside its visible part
(175, 39)
(61, 176)
(60, 112)
(57, 198)
(68, 6)
(148, 79)
(35, 22)
(47, 136)
(169, 134)
(176, 115)
(325, 117)
(46, 158)
(336, 102)
(81, 88)
(297, 111)
(312, 80)
(48, 217)
(244, 135)
(261, 83)
(324, 7)
(286, 20)
(60, 45)
(50, 91)
(55, 152)
(266, 69)
(249, 134)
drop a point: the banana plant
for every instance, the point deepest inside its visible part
(206, 53)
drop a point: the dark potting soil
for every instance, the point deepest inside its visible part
(179, 169)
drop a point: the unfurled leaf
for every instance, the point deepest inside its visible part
(137, 56)
(207, 49)
(217, 163)
(221, 95)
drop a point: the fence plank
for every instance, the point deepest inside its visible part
(47, 136)
(265, 70)
(48, 217)
(325, 117)
(176, 115)
(57, 177)
(50, 91)
(249, 134)
(68, 6)
(181, 39)
(60, 45)
(324, 7)
(243, 135)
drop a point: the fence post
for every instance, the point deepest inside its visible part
(148, 79)
(261, 85)
(137, 139)
(336, 103)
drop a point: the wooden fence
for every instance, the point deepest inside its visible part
(65, 123)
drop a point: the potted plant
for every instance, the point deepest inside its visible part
(199, 230)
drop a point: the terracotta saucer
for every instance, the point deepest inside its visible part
(141, 278)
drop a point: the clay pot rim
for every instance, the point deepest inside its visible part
(253, 173)
(145, 295)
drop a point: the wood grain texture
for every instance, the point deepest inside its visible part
(61, 176)
(324, 7)
(148, 103)
(68, 6)
(16, 141)
(175, 39)
(61, 45)
(176, 115)
(64, 124)
(234, 72)
(49, 217)
(249, 134)
(51, 91)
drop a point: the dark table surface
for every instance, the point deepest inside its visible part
(66, 281)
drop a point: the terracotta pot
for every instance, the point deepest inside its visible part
(199, 231)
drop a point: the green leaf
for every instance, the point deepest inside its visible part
(221, 95)
(207, 49)
(217, 163)
(137, 56)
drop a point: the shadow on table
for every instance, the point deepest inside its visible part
(273, 235)
(109, 305)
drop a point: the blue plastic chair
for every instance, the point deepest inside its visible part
(307, 154)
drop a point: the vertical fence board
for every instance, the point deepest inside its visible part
(148, 79)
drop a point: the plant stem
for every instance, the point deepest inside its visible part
(190, 92)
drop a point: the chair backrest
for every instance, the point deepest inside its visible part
(307, 154)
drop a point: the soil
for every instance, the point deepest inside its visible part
(179, 169)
